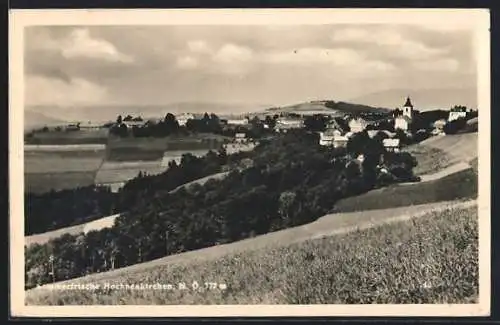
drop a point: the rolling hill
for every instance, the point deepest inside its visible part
(385, 242)
(423, 99)
(326, 107)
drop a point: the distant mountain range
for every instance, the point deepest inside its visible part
(33, 120)
(422, 99)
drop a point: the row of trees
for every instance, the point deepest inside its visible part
(289, 181)
(209, 123)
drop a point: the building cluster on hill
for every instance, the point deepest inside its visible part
(402, 124)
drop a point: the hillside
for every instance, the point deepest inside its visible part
(326, 107)
(440, 152)
(385, 241)
(423, 99)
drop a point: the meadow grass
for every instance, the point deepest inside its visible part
(460, 185)
(431, 259)
(44, 182)
(71, 137)
(430, 160)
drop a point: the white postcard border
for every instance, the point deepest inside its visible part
(445, 19)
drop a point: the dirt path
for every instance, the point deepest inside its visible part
(97, 224)
(328, 225)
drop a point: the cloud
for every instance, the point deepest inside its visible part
(81, 44)
(446, 64)
(138, 64)
(392, 40)
(335, 57)
(187, 62)
(198, 46)
(52, 91)
(78, 43)
(339, 56)
(232, 53)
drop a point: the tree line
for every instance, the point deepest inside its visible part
(209, 123)
(286, 181)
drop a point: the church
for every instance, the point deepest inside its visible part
(404, 118)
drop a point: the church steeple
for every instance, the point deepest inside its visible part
(408, 102)
(408, 108)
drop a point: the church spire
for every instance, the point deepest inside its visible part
(408, 102)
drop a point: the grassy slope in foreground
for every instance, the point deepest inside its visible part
(460, 185)
(432, 259)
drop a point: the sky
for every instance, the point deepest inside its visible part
(156, 65)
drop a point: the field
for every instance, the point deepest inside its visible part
(115, 172)
(133, 153)
(68, 166)
(439, 152)
(461, 185)
(459, 147)
(44, 182)
(430, 160)
(411, 261)
(61, 166)
(148, 149)
(69, 137)
(62, 161)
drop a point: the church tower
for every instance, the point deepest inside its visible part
(408, 108)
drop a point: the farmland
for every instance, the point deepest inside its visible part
(60, 167)
(62, 161)
(69, 166)
(68, 137)
(44, 182)
(116, 172)
(387, 266)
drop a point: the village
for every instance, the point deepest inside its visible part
(396, 128)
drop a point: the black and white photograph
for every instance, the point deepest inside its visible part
(250, 162)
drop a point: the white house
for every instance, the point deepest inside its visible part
(457, 113)
(183, 118)
(238, 121)
(357, 125)
(392, 144)
(130, 124)
(89, 126)
(292, 122)
(285, 124)
(340, 141)
(240, 137)
(326, 138)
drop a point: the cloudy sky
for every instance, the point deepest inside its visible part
(243, 64)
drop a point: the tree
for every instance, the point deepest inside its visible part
(269, 121)
(119, 119)
(286, 201)
(454, 126)
(315, 123)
